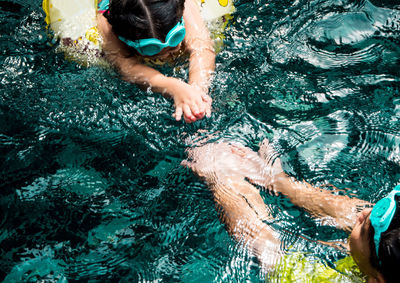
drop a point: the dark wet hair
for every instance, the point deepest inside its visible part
(138, 19)
(388, 260)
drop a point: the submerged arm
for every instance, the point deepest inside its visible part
(239, 203)
(338, 210)
(243, 211)
(188, 99)
(264, 169)
(225, 168)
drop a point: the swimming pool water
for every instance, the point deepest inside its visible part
(91, 183)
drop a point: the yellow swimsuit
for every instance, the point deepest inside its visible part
(296, 267)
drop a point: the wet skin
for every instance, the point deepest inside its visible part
(359, 243)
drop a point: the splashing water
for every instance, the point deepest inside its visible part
(91, 183)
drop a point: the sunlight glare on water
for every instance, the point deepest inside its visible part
(91, 183)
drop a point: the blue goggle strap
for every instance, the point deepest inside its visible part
(382, 215)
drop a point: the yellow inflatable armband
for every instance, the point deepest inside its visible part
(73, 22)
(215, 9)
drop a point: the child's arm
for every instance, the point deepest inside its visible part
(200, 46)
(239, 203)
(188, 99)
(245, 215)
(337, 210)
(332, 209)
(215, 162)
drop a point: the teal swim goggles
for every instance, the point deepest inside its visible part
(382, 215)
(153, 46)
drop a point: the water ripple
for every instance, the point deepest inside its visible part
(91, 183)
(351, 38)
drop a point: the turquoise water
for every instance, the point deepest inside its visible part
(91, 186)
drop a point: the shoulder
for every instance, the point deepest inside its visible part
(110, 44)
(106, 32)
(103, 25)
(191, 6)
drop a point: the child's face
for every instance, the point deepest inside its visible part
(359, 243)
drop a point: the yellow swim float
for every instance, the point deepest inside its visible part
(73, 22)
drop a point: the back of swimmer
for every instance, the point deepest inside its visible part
(134, 30)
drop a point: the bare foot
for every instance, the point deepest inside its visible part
(217, 160)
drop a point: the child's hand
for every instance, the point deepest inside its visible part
(193, 103)
(214, 160)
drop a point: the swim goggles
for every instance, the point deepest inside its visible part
(153, 46)
(382, 215)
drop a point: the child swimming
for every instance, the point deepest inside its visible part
(230, 171)
(133, 30)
